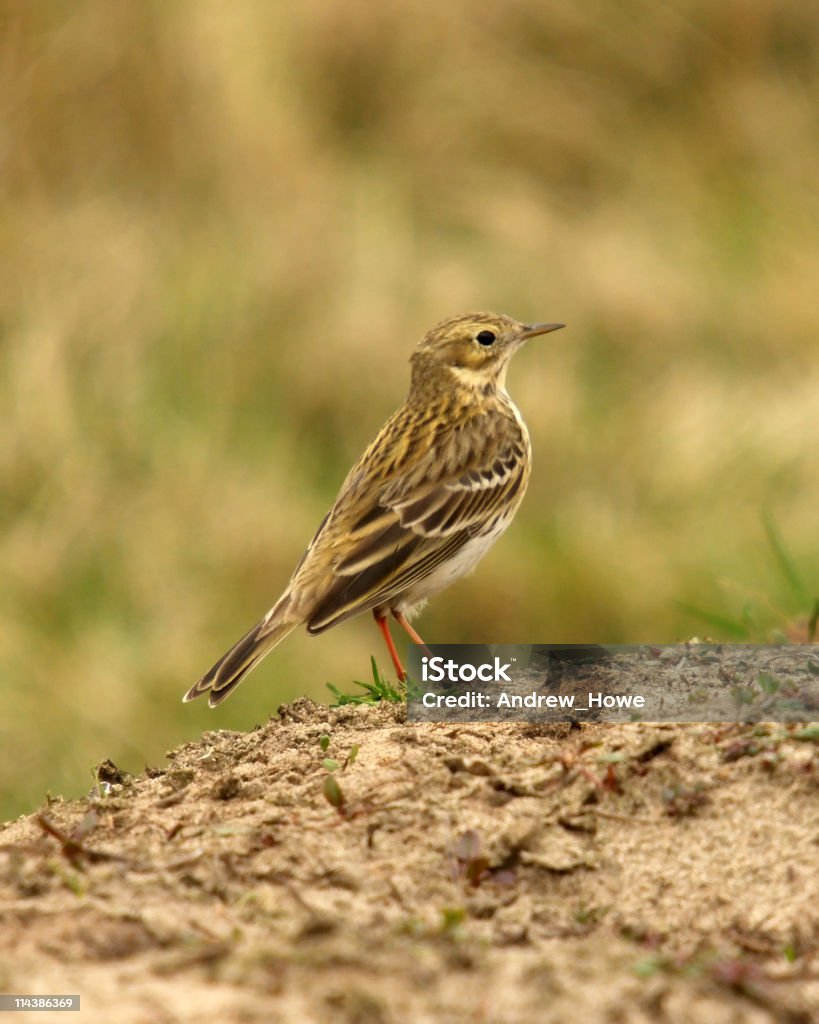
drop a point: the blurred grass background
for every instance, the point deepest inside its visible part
(225, 226)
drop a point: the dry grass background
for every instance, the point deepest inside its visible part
(225, 226)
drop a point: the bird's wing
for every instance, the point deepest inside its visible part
(379, 540)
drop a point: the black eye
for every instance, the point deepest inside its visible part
(486, 338)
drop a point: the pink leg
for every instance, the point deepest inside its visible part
(401, 619)
(383, 625)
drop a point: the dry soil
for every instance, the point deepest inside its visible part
(430, 872)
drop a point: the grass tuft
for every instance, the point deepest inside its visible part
(376, 691)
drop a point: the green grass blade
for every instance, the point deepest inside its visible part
(783, 557)
(718, 622)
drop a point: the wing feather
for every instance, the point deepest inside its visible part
(380, 582)
(411, 503)
(409, 527)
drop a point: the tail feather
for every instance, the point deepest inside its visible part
(232, 667)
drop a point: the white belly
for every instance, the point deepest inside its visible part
(460, 564)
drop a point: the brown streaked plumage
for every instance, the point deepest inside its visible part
(439, 484)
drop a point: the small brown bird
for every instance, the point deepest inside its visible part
(436, 488)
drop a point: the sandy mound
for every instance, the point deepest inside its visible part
(399, 872)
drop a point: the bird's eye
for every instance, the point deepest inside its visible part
(486, 338)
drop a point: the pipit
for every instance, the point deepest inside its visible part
(436, 488)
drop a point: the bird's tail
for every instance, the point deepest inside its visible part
(232, 667)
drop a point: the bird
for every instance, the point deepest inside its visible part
(441, 481)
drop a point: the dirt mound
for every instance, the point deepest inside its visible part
(341, 864)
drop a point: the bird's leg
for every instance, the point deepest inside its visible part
(402, 621)
(383, 625)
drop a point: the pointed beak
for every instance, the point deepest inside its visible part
(532, 330)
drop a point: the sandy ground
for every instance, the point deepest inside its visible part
(430, 872)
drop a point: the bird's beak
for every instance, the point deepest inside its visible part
(532, 330)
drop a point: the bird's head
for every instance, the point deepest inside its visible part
(475, 348)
